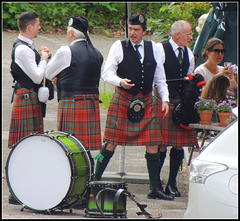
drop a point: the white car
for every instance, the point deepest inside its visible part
(213, 177)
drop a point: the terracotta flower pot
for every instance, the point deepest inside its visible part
(205, 116)
(223, 117)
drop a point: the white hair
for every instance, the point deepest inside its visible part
(77, 34)
(201, 22)
(178, 26)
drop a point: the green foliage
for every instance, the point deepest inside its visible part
(224, 107)
(56, 14)
(10, 12)
(107, 15)
(171, 12)
(205, 104)
(105, 96)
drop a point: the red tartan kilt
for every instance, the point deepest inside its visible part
(120, 131)
(81, 119)
(26, 116)
(173, 134)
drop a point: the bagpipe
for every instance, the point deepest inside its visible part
(184, 112)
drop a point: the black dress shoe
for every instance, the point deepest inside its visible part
(12, 200)
(160, 194)
(172, 190)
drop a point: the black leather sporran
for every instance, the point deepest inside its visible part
(136, 111)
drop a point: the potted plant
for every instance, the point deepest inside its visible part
(205, 109)
(224, 111)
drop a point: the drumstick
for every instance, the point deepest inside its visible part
(44, 81)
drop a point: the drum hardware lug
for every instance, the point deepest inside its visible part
(75, 177)
(23, 207)
(76, 153)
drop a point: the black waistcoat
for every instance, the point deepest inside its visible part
(84, 72)
(23, 81)
(131, 67)
(174, 70)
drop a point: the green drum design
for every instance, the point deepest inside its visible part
(103, 193)
(48, 171)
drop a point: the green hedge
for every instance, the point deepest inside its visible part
(106, 15)
(54, 14)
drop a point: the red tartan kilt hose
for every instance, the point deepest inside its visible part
(80, 116)
(173, 134)
(26, 116)
(121, 131)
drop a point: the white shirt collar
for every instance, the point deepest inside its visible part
(76, 40)
(141, 43)
(29, 41)
(174, 45)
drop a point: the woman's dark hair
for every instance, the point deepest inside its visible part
(209, 46)
(216, 88)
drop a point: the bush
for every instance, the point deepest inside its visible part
(171, 12)
(106, 15)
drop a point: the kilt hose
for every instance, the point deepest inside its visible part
(26, 116)
(173, 134)
(121, 131)
(79, 115)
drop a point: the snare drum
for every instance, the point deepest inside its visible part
(48, 171)
(103, 195)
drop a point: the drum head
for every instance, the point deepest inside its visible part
(38, 172)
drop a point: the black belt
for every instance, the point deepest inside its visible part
(81, 99)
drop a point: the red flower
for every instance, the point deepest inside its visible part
(189, 19)
(181, 7)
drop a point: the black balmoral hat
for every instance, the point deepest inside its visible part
(81, 24)
(137, 19)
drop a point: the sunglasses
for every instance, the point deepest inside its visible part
(218, 51)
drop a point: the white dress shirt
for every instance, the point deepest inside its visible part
(60, 61)
(25, 59)
(115, 57)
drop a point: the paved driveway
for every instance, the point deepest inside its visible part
(134, 156)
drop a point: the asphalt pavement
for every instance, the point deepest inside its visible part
(128, 163)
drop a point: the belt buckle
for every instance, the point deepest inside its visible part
(26, 96)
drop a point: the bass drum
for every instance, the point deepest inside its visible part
(48, 171)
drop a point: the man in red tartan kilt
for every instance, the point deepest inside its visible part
(178, 64)
(76, 69)
(133, 66)
(27, 68)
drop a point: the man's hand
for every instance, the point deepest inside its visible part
(44, 52)
(125, 83)
(54, 81)
(165, 107)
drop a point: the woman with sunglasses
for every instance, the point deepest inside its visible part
(213, 54)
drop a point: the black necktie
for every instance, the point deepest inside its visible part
(139, 55)
(180, 55)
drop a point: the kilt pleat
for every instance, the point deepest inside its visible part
(173, 134)
(26, 116)
(81, 118)
(120, 131)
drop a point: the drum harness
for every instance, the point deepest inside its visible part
(115, 202)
